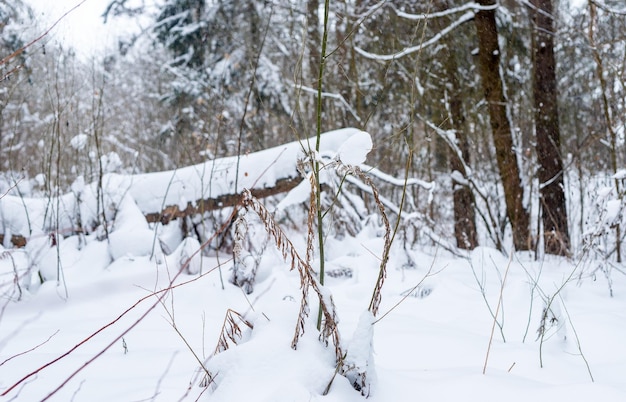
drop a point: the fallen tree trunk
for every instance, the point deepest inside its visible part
(16, 240)
(162, 196)
(172, 212)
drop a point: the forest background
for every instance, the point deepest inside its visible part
(514, 109)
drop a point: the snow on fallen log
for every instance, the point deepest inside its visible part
(217, 184)
(162, 196)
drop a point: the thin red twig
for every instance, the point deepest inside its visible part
(29, 350)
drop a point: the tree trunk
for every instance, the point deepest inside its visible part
(464, 208)
(201, 206)
(489, 67)
(548, 141)
(314, 39)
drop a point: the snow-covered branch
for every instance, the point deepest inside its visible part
(428, 185)
(365, 188)
(536, 9)
(468, 16)
(330, 95)
(608, 9)
(429, 15)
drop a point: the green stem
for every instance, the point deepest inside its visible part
(316, 168)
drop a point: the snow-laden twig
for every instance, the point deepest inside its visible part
(473, 6)
(536, 9)
(427, 185)
(40, 37)
(491, 224)
(364, 187)
(468, 16)
(449, 137)
(608, 9)
(330, 95)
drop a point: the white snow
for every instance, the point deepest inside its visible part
(130, 235)
(300, 193)
(613, 208)
(459, 178)
(432, 345)
(79, 141)
(620, 174)
(355, 149)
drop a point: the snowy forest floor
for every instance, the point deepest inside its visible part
(431, 347)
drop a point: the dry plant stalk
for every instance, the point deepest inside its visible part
(495, 315)
(358, 371)
(376, 294)
(307, 277)
(231, 331)
(310, 249)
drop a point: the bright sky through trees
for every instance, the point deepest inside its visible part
(83, 28)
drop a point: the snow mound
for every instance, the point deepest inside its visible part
(188, 255)
(355, 149)
(131, 235)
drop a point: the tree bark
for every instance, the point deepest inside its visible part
(489, 67)
(463, 200)
(172, 212)
(18, 241)
(548, 140)
(314, 38)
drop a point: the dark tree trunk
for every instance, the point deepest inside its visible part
(347, 56)
(314, 38)
(548, 142)
(489, 67)
(464, 212)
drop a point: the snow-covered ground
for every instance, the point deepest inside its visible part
(123, 324)
(432, 346)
